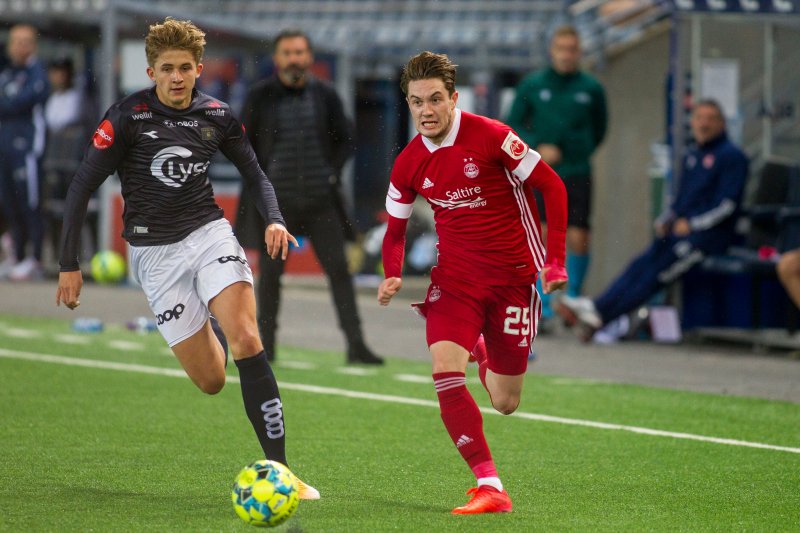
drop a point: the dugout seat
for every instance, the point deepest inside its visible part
(771, 225)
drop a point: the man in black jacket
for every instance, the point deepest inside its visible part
(302, 139)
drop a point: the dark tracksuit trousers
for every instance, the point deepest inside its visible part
(664, 261)
(320, 222)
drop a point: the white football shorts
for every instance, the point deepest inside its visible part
(180, 279)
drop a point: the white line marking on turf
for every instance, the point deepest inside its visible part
(127, 367)
(355, 371)
(127, 346)
(21, 333)
(416, 378)
(413, 378)
(91, 363)
(296, 365)
(71, 339)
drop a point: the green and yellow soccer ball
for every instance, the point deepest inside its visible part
(108, 267)
(265, 494)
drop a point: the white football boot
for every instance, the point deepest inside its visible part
(306, 492)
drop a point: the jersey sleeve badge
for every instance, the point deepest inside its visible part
(104, 135)
(514, 146)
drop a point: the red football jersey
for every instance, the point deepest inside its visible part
(486, 220)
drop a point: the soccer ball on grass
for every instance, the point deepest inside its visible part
(265, 494)
(108, 267)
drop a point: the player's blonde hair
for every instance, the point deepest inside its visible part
(427, 66)
(174, 35)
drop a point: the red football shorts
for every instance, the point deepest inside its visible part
(506, 315)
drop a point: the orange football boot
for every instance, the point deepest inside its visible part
(306, 492)
(485, 500)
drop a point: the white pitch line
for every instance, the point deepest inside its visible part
(22, 333)
(315, 389)
(72, 339)
(355, 371)
(91, 363)
(296, 365)
(413, 378)
(127, 346)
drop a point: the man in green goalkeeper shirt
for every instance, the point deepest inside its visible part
(560, 111)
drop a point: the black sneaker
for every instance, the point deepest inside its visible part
(358, 353)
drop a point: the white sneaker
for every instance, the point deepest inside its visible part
(579, 309)
(613, 331)
(26, 270)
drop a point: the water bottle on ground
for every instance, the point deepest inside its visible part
(87, 325)
(142, 325)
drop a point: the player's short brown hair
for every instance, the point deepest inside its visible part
(174, 35)
(426, 66)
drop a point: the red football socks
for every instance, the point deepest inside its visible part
(463, 420)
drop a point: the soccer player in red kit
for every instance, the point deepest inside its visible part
(478, 177)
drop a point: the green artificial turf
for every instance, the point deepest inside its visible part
(125, 449)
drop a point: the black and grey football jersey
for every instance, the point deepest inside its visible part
(162, 155)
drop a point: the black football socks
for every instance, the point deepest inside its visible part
(262, 402)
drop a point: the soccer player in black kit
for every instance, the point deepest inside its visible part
(183, 252)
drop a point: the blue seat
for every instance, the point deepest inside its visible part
(773, 221)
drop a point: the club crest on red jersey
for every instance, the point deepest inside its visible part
(104, 136)
(471, 170)
(514, 146)
(435, 294)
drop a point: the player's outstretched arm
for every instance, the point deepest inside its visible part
(69, 288)
(388, 288)
(277, 239)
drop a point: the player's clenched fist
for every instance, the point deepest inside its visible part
(554, 277)
(277, 240)
(388, 288)
(69, 288)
